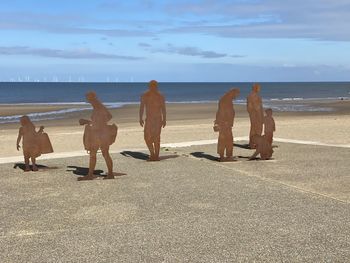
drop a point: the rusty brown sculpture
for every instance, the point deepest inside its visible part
(34, 142)
(154, 103)
(98, 135)
(263, 147)
(269, 126)
(224, 123)
(256, 114)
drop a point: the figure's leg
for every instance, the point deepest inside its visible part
(252, 131)
(156, 139)
(150, 147)
(221, 145)
(148, 140)
(26, 163)
(259, 125)
(229, 144)
(92, 165)
(156, 149)
(35, 168)
(109, 162)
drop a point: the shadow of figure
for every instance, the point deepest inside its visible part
(83, 171)
(205, 156)
(144, 156)
(22, 166)
(135, 155)
(243, 146)
(168, 157)
(243, 157)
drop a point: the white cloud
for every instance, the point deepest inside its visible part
(313, 19)
(190, 51)
(82, 53)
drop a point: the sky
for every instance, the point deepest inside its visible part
(182, 40)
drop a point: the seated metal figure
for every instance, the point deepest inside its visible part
(263, 147)
(269, 125)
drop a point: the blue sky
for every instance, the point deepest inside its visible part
(192, 40)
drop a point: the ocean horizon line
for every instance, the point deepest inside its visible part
(182, 82)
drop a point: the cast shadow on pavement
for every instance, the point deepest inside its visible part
(144, 156)
(40, 167)
(243, 146)
(83, 171)
(202, 155)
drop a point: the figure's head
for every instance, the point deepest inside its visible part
(268, 112)
(24, 120)
(153, 85)
(256, 87)
(91, 96)
(234, 93)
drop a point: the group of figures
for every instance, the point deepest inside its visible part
(225, 119)
(100, 135)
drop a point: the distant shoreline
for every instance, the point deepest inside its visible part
(10, 113)
(238, 101)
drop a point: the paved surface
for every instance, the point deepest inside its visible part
(184, 209)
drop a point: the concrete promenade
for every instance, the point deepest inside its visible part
(186, 208)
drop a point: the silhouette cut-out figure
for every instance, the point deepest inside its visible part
(154, 103)
(256, 114)
(269, 125)
(98, 135)
(34, 142)
(224, 123)
(263, 147)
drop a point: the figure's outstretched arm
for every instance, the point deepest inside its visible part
(142, 108)
(84, 122)
(163, 112)
(19, 137)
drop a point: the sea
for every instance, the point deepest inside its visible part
(281, 96)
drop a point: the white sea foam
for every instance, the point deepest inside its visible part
(308, 99)
(53, 115)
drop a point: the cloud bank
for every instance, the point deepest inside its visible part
(82, 53)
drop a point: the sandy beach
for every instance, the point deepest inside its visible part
(185, 122)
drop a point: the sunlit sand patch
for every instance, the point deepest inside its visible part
(201, 205)
(22, 233)
(141, 185)
(119, 211)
